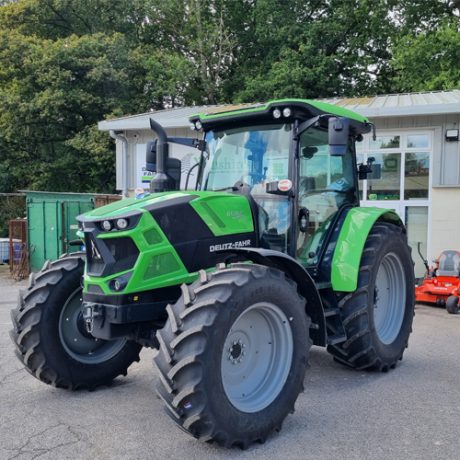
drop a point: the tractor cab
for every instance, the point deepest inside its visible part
(295, 162)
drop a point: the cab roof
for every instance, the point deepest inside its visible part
(262, 112)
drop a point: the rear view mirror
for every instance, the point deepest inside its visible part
(338, 130)
(151, 156)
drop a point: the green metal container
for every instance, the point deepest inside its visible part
(52, 224)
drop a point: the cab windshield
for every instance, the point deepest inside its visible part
(252, 155)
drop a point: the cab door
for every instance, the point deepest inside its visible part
(326, 183)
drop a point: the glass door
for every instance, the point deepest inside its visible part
(405, 159)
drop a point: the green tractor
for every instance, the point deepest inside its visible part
(233, 282)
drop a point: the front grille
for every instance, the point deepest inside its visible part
(109, 255)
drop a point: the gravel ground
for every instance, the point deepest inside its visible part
(412, 412)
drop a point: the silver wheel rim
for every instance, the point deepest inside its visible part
(389, 299)
(257, 357)
(80, 345)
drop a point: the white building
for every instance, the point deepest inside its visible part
(417, 145)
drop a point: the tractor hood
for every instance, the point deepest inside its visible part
(161, 240)
(224, 213)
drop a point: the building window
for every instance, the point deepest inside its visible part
(420, 141)
(388, 187)
(404, 185)
(404, 160)
(416, 174)
(385, 142)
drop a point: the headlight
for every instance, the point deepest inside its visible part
(287, 112)
(277, 113)
(119, 283)
(106, 225)
(122, 224)
(198, 124)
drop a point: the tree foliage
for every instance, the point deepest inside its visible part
(429, 60)
(65, 65)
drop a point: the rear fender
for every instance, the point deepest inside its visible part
(305, 285)
(350, 244)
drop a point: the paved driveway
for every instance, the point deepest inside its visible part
(410, 413)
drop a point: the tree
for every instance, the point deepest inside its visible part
(57, 81)
(319, 48)
(429, 60)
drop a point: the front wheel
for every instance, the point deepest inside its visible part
(233, 354)
(452, 305)
(378, 316)
(50, 336)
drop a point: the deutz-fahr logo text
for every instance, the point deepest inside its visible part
(236, 244)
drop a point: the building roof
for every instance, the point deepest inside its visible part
(388, 105)
(169, 118)
(406, 104)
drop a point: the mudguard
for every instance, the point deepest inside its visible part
(352, 238)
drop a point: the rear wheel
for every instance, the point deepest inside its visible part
(378, 316)
(452, 305)
(233, 354)
(50, 335)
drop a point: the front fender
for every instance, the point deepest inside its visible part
(350, 244)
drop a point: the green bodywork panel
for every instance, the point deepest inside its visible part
(119, 208)
(222, 215)
(353, 235)
(322, 106)
(156, 256)
(158, 264)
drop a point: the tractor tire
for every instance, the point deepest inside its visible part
(452, 305)
(378, 316)
(233, 354)
(50, 337)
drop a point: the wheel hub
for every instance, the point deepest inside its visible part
(81, 326)
(236, 352)
(257, 357)
(76, 340)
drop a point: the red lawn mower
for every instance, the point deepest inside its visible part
(441, 284)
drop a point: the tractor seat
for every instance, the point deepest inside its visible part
(449, 264)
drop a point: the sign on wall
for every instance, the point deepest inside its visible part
(143, 177)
